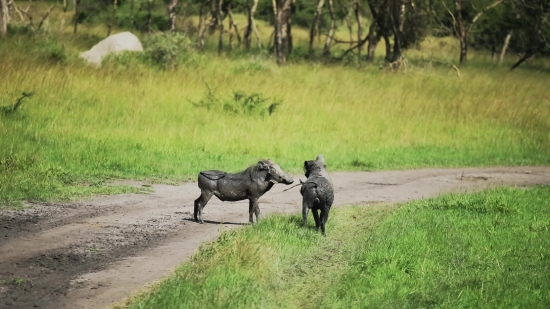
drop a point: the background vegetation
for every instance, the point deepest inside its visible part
(488, 249)
(173, 110)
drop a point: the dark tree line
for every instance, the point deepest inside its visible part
(518, 26)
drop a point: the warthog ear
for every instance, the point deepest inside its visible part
(320, 159)
(263, 165)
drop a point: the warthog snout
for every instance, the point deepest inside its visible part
(288, 180)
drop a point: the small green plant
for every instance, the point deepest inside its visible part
(250, 104)
(18, 282)
(241, 103)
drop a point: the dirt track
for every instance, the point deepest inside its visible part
(96, 252)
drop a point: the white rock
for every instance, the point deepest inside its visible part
(113, 44)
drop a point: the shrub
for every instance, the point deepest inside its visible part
(163, 49)
(241, 103)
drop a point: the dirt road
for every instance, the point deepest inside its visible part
(96, 252)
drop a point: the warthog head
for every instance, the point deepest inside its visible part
(311, 166)
(274, 172)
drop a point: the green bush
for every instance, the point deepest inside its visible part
(164, 49)
(241, 103)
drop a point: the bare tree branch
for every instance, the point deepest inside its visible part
(44, 18)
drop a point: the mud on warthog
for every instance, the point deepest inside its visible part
(317, 192)
(249, 184)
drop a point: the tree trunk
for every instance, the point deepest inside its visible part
(275, 33)
(373, 42)
(233, 25)
(388, 47)
(220, 21)
(214, 13)
(3, 18)
(505, 47)
(149, 15)
(65, 6)
(75, 8)
(254, 28)
(356, 9)
(289, 27)
(202, 27)
(248, 29)
(111, 19)
(230, 30)
(282, 30)
(328, 42)
(398, 15)
(251, 26)
(461, 32)
(289, 36)
(132, 20)
(315, 24)
(171, 8)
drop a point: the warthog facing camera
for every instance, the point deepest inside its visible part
(249, 184)
(317, 192)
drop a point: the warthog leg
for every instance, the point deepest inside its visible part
(316, 217)
(257, 211)
(200, 203)
(305, 209)
(324, 218)
(253, 208)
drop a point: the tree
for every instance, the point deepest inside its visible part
(283, 35)
(3, 18)
(171, 6)
(112, 18)
(465, 24)
(251, 25)
(533, 27)
(314, 30)
(326, 50)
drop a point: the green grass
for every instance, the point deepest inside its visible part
(482, 250)
(129, 119)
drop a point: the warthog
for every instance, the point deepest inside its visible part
(249, 184)
(317, 192)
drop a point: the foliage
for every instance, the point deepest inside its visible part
(164, 49)
(488, 249)
(128, 119)
(241, 103)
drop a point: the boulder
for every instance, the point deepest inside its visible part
(113, 44)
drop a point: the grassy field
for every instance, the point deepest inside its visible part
(128, 119)
(482, 250)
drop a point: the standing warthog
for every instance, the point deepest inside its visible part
(249, 184)
(317, 192)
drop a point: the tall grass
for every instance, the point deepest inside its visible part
(131, 120)
(482, 250)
